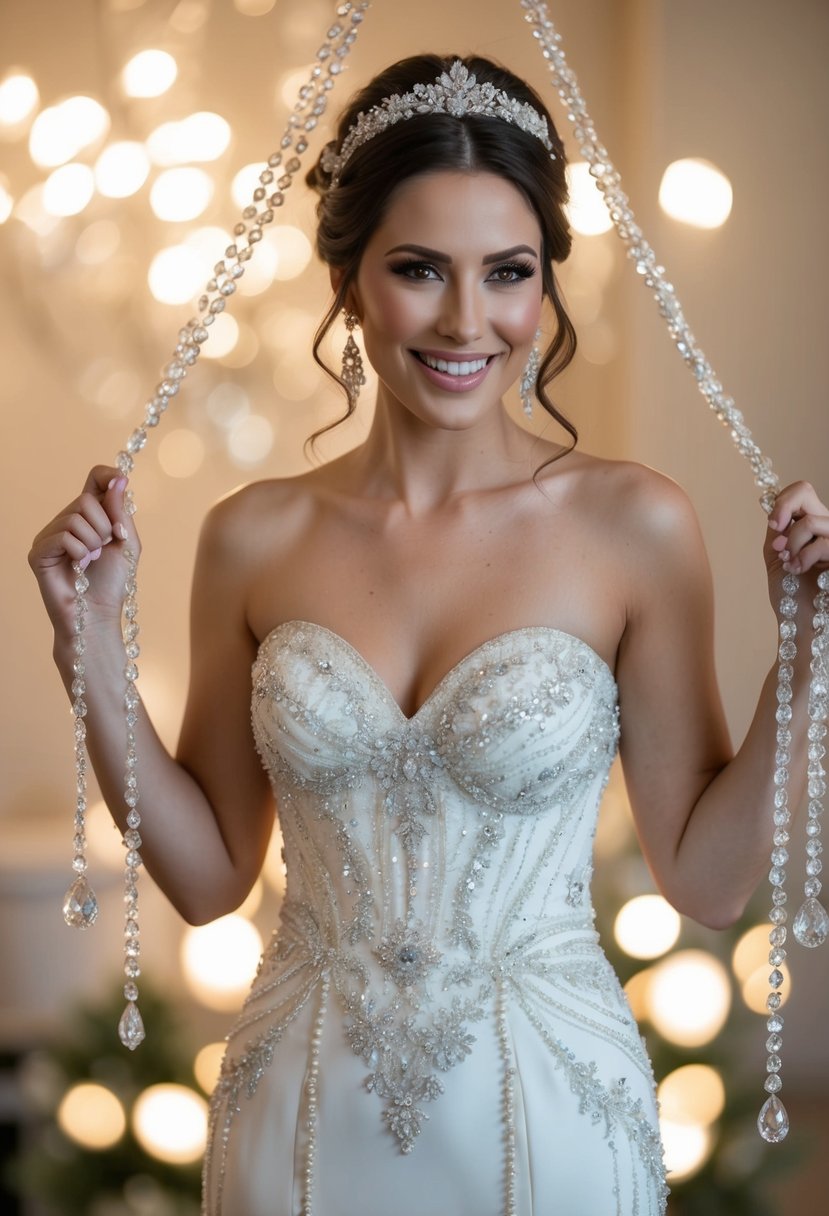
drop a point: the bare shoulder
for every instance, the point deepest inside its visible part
(261, 511)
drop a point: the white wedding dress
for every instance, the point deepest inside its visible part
(434, 1029)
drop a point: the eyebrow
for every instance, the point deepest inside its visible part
(435, 255)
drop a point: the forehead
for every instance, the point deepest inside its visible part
(464, 212)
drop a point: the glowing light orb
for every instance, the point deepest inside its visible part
(586, 209)
(250, 441)
(207, 1065)
(18, 98)
(646, 926)
(224, 334)
(689, 997)
(92, 1116)
(60, 132)
(219, 960)
(696, 193)
(68, 190)
(687, 1148)
(170, 1123)
(180, 452)
(149, 74)
(693, 1093)
(176, 275)
(293, 250)
(181, 194)
(199, 137)
(121, 169)
(245, 182)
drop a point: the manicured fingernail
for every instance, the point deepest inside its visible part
(84, 562)
(785, 555)
(121, 530)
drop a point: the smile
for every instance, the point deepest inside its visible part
(452, 367)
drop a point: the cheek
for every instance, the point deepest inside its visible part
(522, 316)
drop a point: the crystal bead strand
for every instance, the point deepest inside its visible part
(508, 1099)
(811, 925)
(80, 906)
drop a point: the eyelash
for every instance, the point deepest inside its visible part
(520, 269)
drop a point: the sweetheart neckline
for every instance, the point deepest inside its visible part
(475, 653)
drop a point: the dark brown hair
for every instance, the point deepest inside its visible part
(430, 143)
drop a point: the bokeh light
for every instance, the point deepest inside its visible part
(18, 98)
(98, 242)
(180, 452)
(245, 182)
(181, 194)
(750, 963)
(687, 1148)
(646, 926)
(293, 250)
(689, 997)
(586, 209)
(694, 1093)
(170, 1123)
(224, 334)
(207, 1065)
(121, 169)
(6, 200)
(176, 275)
(149, 74)
(92, 1116)
(68, 190)
(254, 8)
(220, 959)
(60, 132)
(273, 866)
(696, 192)
(202, 136)
(250, 441)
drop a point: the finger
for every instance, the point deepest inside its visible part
(100, 478)
(115, 505)
(797, 499)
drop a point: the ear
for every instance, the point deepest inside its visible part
(351, 301)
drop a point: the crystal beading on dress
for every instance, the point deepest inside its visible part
(811, 924)
(80, 906)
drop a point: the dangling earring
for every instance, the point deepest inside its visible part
(353, 374)
(529, 377)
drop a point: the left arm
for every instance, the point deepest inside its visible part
(704, 813)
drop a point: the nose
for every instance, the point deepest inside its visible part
(462, 313)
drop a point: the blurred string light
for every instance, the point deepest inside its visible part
(68, 190)
(646, 926)
(189, 16)
(219, 960)
(207, 1065)
(586, 209)
(224, 334)
(170, 1123)
(175, 275)
(19, 98)
(687, 1148)
(92, 1116)
(293, 250)
(181, 194)
(694, 1093)
(696, 192)
(61, 131)
(149, 74)
(250, 441)
(121, 169)
(245, 182)
(203, 136)
(688, 997)
(180, 452)
(227, 404)
(6, 200)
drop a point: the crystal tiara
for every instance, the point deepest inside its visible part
(455, 92)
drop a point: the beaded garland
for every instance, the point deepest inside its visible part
(811, 924)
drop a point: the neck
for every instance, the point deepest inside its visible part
(424, 467)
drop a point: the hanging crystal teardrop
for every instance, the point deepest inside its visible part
(811, 925)
(131, 1027)
(80, 906)
(773, 1121)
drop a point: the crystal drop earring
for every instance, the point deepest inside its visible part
(529, 377)
(353, 373)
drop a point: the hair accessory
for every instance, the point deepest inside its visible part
(811, 924)
(80, 906)
(455, 92)
(529, 377)
(353, 373)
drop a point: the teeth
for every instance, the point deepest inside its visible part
(467, 368)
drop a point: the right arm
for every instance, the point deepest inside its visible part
(206, 815)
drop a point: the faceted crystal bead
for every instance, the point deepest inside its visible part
(773, 1122)
(811, 925)
(80, 907)
(131, 1027)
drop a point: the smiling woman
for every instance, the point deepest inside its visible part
(450, 630)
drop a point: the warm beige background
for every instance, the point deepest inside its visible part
(742, 83)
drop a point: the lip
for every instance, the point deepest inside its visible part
(453, 384)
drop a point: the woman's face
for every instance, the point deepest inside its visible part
(449, 294)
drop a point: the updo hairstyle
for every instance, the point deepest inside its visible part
(430, 143)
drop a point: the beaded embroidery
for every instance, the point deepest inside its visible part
(431, 864)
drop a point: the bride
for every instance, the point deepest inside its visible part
(450, 628)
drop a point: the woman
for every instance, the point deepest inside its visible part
(450, 627)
